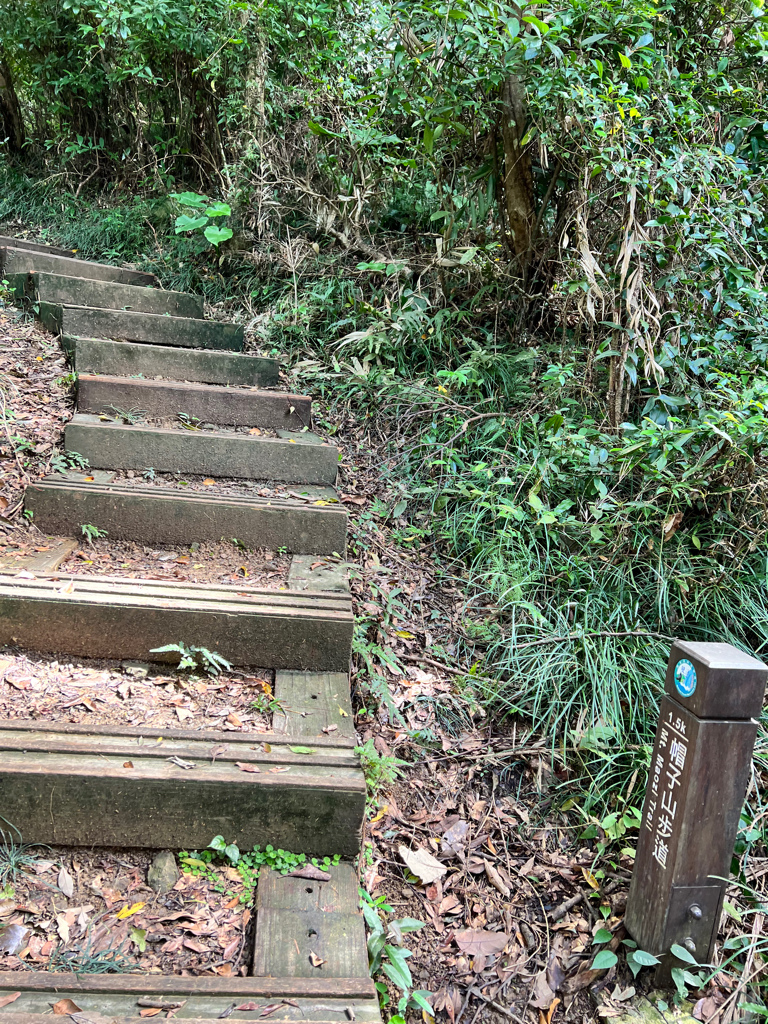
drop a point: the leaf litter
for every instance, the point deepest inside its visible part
(77, 906)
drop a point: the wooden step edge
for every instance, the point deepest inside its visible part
(52, 585)
(150, 733)
(96, 765)
(84, 419)
(82, 800)
(109, 745)
(176, 985)
(147, 384)
(322, 506)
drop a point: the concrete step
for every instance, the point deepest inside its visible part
(214, 453)
(90, 785)
(168, 516)
(123, 358)
(19, 260)
(6, 241)
(80, 291)
(112, 998)
(299, 921)
(115, 617)
(274, 410)
(150, 328)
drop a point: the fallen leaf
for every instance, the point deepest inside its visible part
(209, 482)
(303, 750)
(330, 728)
(542, 995)
(66, 883)
(546, 1018)
(315, 960)
(127, 764)
(422, 864)
(247, 767)
(247, 1007)
(130, 911)
(234, 721)
(285, 768)
(196, 947)
(310, 871)
(496, 881)
(181, 762)
(7, 907)
(62, 927)
(65, 1007)
(480, 942)
(4, 1000)
(150, 1011)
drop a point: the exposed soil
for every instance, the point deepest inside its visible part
(40, 688)
(72, 906)
(227, 563)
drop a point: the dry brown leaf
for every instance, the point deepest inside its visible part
(422, 864)
(150, 1011)
(315, 960)
(247, 1007)
(66, 883)
(542, 995)
(496, 880)
(244, 767)
(196, 947)
(480, 942)
(65, 1007)
(310, 871)
(4, 1000)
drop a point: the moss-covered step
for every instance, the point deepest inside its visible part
(124, 358)
(113, 998)
(18, 260)
(6, 241)
(113, 617)
(307, 926)
(167, 516)
(159, 791)
(274, 410)
(212, 453)
(149, 328)
(80, 291)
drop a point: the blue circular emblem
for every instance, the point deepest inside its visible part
(685, 678)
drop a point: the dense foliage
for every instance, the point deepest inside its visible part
(532, 236)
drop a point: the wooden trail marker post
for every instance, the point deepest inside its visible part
(696, 786)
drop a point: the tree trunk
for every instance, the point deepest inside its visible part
(518, 170)
(11, 121)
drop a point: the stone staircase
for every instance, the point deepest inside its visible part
(205, 411)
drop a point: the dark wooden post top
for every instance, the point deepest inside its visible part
(715, 680)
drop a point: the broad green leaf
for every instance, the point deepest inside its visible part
(601, 935)
(193, 199)
(604, 960)
(219, 210)
(303, 750)
(217, 235)
(682, 954)
(625, 61)
(185, 223)
(646, 959)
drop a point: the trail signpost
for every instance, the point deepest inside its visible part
(696, 787)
